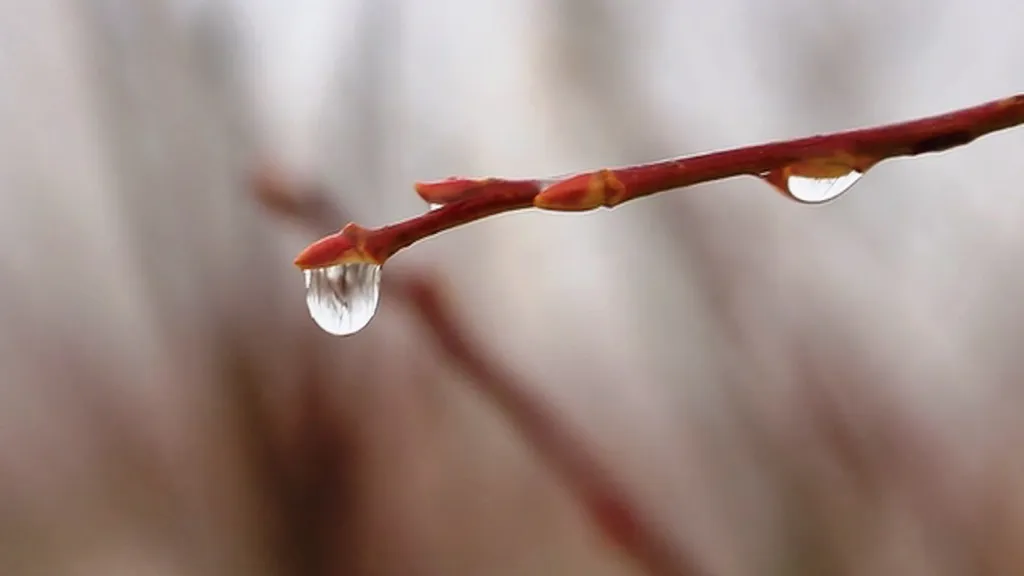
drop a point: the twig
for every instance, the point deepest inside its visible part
(558, 444)
(466, 200)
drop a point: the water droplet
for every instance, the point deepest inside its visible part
(814, 184)
(818, 190)
(433, 206)
(342, 299)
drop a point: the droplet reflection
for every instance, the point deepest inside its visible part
(813, 184)
(343, 299)
(818, 190)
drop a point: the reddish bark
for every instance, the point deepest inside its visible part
(466, 200)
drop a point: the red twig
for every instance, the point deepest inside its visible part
(466, 200)
(558, 444)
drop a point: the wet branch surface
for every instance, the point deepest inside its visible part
(465, 200)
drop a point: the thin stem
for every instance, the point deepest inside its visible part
(608, 504)
(467, 200)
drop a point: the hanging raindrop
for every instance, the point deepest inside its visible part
(342, 299)
(813, 183)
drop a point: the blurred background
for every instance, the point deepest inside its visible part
(787, 390)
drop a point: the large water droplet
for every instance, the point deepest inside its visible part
(814, 184)
(342, 299)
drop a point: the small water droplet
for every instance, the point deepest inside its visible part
(342, 299)
(818, 190)
(815, 184)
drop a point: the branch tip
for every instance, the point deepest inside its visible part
(347, 246)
